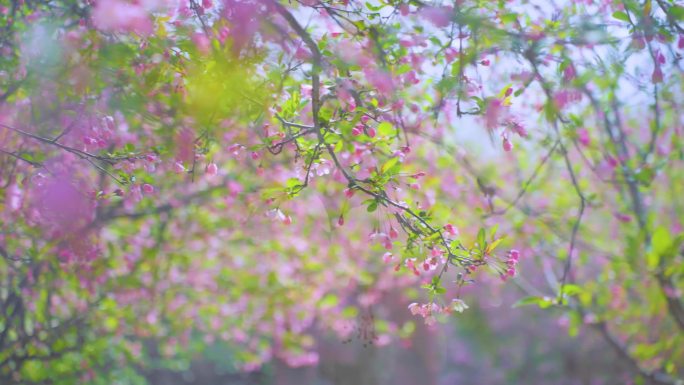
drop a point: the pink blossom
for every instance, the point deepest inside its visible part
(379, 79)
(14, 197)
(323, 168)
(657, 76)
(563, 98)
(202, 43)
(638, 42)
(178, 167)
(451, 230)
(569, 73)
(416, 60)
(493, 113)
(430, 320)
(612, 162)
(414, 308)
(245, 18)
(623, 217)
(516, 127)
(121, 16)
(212, 169)
(406, 43)
(450, 54)
(439, 16)
(357, 130)
(583, 137)
(60, 203)
(507, 145)
(185, 140)
(223, 34)
(458, 305)
(411, 78)
(305, 90)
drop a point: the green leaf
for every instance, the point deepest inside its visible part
(660, 243)
(570, 290)
(677, 11)
(34, 371)
(459, 252)
(330, 300)
(434, 287)
(111, 323)
(621, 16)
(550, 111)
(502, 93)
(509, 18)
(481, 238)
(661, 240)
(542, 302)
(372, 207)
(407, 329)
(645, 175)
(647, 351)
(529, 301)
(493, 230)
(493, 245)
(386, 129)
(292, 182)
(404, 68)
(389, 164)
(350, 312)
(374, 7)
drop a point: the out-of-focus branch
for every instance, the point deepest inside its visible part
(674, 305)
(568, 165)
(353, 182)
(653, 377)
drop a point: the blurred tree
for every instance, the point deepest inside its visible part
(250, 175)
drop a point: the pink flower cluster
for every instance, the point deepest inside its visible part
(384, 238)
(511, 262)
(429, 310)
(122, 16)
